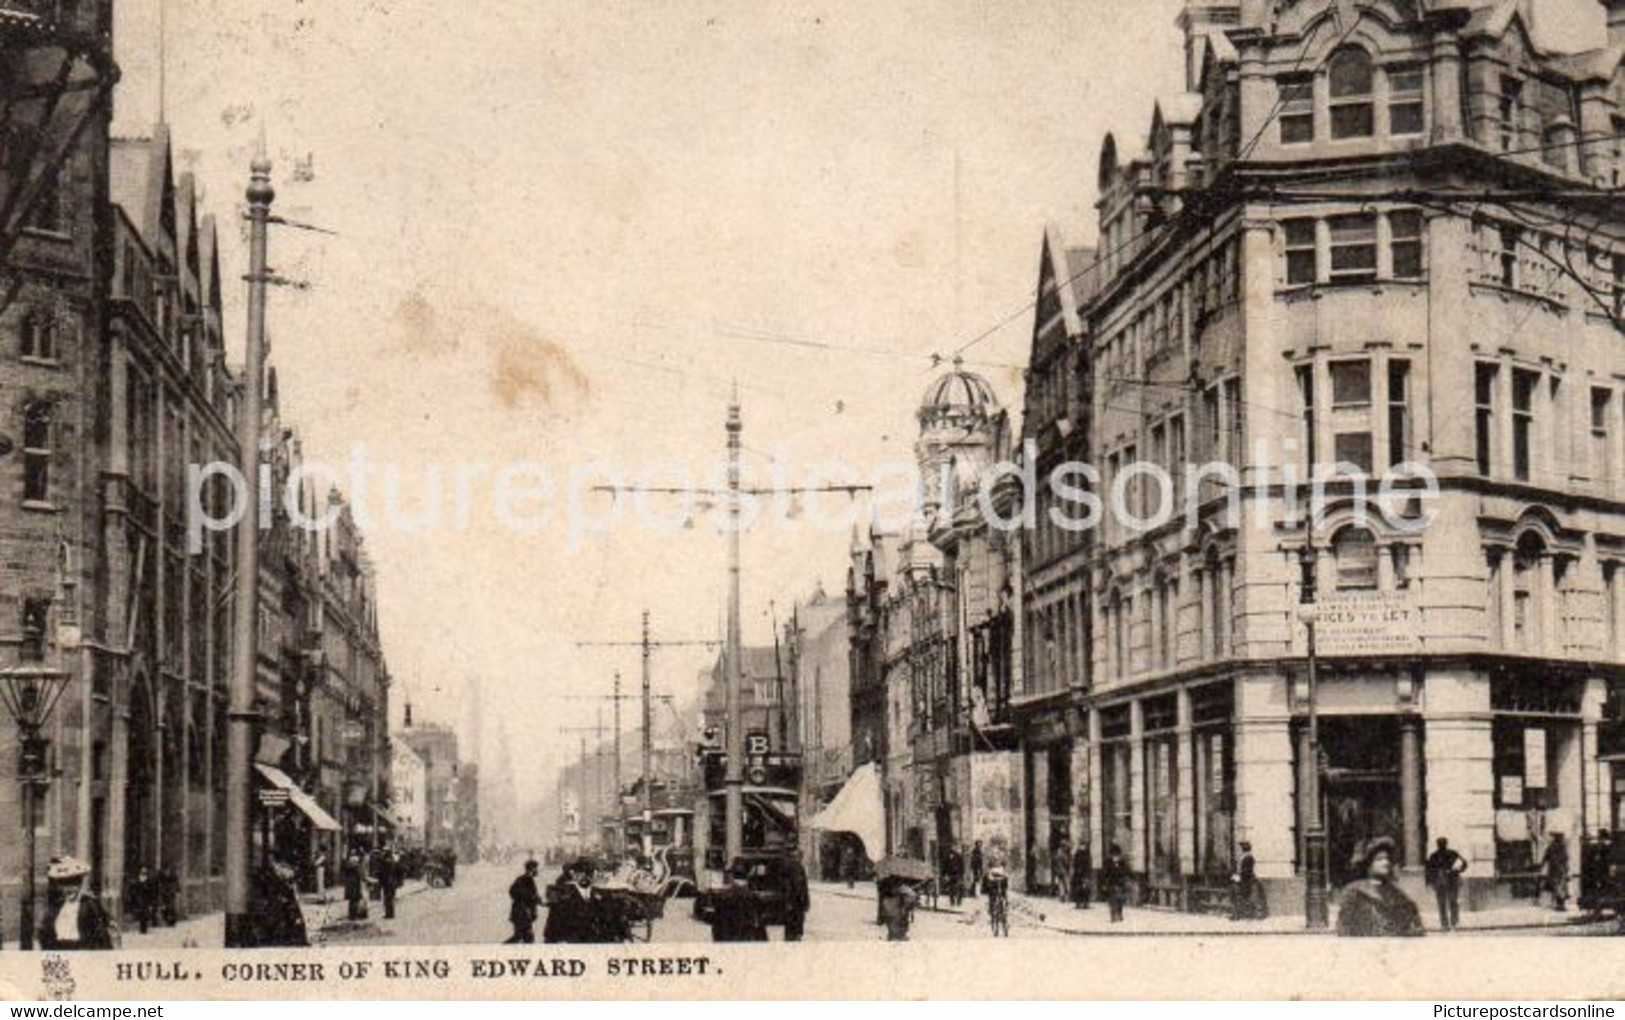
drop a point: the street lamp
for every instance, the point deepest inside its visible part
(1314, 828)
(30, 692)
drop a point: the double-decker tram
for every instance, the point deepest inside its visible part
(772, 823)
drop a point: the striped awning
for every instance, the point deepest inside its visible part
(298, 798)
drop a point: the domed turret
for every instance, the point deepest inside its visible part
(958, 396)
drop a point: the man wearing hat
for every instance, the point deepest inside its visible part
(736, 910)
(74, 917)
(524, 901)
(1374, 905)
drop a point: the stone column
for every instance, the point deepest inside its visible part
(1410, 790)
(1185, 785)
(1264, 779)
(1460, 766)
(1137, 856)
(1097, 830)
(1595, 786)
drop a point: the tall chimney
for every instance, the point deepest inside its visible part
(1616, 21)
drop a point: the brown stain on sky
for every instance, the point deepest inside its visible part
(528, 370)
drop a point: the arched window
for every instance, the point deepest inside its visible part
(1355, 550)
(1526, 561)
(1351, 88)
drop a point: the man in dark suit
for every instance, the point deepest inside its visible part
(525, 902)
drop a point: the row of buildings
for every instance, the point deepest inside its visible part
(114, 382)
(1366, 233)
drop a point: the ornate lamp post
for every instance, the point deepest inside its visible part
(1314, 825)
(30, 691)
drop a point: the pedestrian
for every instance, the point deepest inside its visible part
(798, 899)
(524, 903)
(169, 897)
(849, 865)
(736, 908)
(1062, 856)
(997, 885)
(278, 919)
(897, 900)
(1082, 876)
(1443, 870)
(1247, 898)
(354, 876)
(1114, 879)
(978, 863)
(953, 873)
(74, 917)
(1373, 905)
(1555, 864)
(144, 897)
(389, 880)
(1596, 880)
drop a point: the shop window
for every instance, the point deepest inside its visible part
(1405, 100)
(1524, 385)
(1117, 804)
(1297, 109)
(1355, 553)
(1353, 248)
(1405, 244)
(1351, 79)
(1301, 258)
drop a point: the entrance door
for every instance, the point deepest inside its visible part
(1360, 788)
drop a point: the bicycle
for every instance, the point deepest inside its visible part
(997, 887)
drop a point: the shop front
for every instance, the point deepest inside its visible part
(1053, 794)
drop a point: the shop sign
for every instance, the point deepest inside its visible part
(1365, 623)
(1534, 757)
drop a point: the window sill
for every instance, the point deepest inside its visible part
(29, 359)
(39, 506)
(47, 235)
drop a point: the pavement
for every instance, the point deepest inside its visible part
(475, 912)
(1049, 914)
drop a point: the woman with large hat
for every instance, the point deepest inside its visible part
(1374, 905)
(74, 917)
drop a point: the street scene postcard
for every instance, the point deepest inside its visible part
(1057, 498)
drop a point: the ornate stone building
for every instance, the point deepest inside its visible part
(1292, 282)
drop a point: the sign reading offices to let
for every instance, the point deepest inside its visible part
(1366, 623)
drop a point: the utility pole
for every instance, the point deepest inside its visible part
(734, 775)
(646, 644)
(241, 717)
(597, 730)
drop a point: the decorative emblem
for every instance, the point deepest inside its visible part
(56, 976)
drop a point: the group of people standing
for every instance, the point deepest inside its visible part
(576, 911)
(382, 868)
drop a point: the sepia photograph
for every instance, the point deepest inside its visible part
(499, 499)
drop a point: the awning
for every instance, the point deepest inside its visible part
(298, 798)
(858, 809)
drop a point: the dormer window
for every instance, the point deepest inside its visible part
(1352, 107)
(1405, 103)
(1297, 109)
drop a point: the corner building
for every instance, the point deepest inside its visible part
(1291, 279)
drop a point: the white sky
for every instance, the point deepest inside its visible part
(526, 191)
